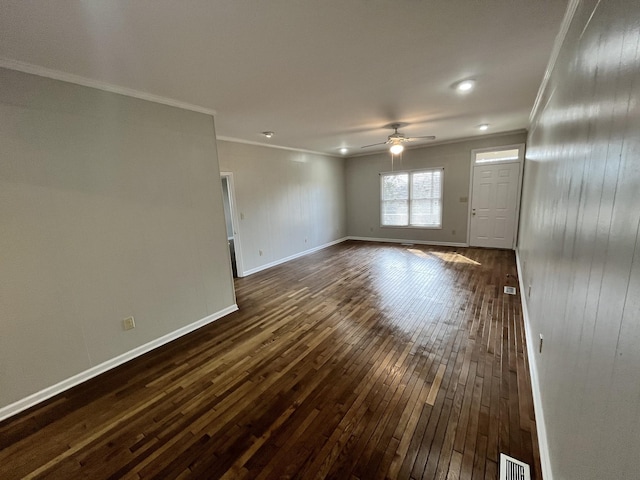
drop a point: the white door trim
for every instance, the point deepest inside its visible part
(235, 224)
(520, 161)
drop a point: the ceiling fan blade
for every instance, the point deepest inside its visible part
(374, 144)
(426, 137)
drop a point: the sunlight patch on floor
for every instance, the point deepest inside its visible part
(447, 257)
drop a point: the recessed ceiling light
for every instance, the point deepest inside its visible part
(483, 127)
(344, 150)
(465, 86)
(268, 134)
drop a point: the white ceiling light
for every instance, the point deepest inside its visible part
(483, 127)
(465, 86)
(344, 150)
(397, 148)
(268, 134)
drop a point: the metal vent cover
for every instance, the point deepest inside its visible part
(512, 469)
(510, 290)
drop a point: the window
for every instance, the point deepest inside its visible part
(411, 199)
(497, 156)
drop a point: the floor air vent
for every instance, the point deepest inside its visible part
(512, 469)
(510, 290)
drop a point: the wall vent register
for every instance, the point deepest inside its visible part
(510, 290)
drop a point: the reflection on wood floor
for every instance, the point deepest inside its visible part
(361, 361)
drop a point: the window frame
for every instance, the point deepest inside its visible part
(410, 173)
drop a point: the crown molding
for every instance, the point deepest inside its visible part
(107, 87)
(557, 45)
(279, 147)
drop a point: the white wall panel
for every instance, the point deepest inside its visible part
(109, 207)
(288, 202)
(579, 245)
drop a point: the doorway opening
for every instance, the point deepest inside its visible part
(495, 187)
(229, 204)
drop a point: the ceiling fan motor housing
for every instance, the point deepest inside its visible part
(397, 137)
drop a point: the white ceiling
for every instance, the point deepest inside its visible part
(321, 74)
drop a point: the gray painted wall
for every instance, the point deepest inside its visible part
(288, 201)
(109, 207)
(363, 188)
(580, 249)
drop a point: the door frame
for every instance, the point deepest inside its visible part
(235, 224)
(520, 161)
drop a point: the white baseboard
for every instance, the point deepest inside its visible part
(418, 242)
(292, 257)
(344, 239)
(543, 444)
(81, 377)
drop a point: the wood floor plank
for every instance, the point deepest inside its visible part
(360, 361)
(435, 386)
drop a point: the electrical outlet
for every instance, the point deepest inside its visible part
(128, 323)
(260, 252)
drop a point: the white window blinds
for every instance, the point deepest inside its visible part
(412, 199)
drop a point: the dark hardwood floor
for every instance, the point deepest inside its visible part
(361, 361)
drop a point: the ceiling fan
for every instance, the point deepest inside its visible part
(396, 139)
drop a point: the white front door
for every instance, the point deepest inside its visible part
(494, 201)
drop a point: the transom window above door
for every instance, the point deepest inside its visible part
(497, 156)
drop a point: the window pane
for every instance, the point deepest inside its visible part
(498, 156)
(395, 199)
(395, 212)
(395, 187)
(426, 192)
(425, 213)
(426, 185)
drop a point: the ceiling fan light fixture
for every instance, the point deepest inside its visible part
(396, 149)
(268, 134)
(465, 86)
(396, 139)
